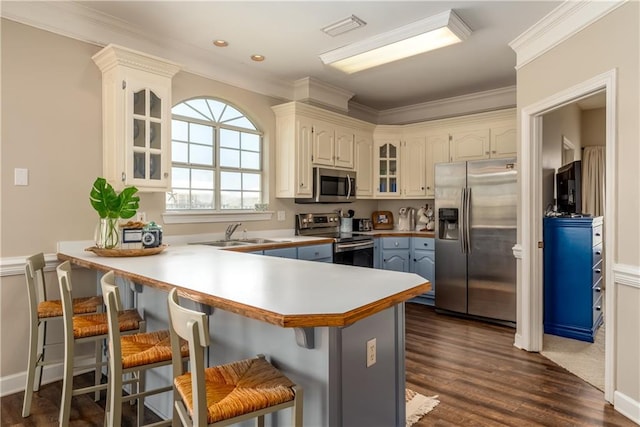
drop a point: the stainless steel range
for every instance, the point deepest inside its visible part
(348, 248)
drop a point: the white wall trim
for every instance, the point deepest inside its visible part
(15, 383)
(627, 275)
(559, 25)
(478, 102)
(530, 278)
(627, 406)
(14, 266)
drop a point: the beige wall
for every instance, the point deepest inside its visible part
(593, 127)
(610, 43)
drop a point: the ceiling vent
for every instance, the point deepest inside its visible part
(341, 27)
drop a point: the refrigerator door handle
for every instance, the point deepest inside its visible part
(467, 221)
(461, 221)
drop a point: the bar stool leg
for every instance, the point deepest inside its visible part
(67, 382)
(33, 357)
(98, 372)
(140, 401)
(42, 334)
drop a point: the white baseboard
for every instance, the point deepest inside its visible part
(627, 406)
(15, 383)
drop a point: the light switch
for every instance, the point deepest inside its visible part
(21, 176)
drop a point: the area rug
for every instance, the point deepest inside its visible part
(583, 359)
(418, 405)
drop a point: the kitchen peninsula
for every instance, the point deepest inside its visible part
(312, 320)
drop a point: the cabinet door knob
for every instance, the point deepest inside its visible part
(301, 184)
(396, 243)
(426, 244)
(598, 271)
(597, 289)
(598, 253)
(597, 234)
(598, 308)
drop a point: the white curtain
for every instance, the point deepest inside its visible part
(593, 180)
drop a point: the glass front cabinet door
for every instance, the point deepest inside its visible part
(387, 164)
(136, 118)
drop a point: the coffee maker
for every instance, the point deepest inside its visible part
(407, 219)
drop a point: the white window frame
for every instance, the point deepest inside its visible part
(189, 216)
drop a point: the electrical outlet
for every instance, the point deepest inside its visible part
(141, 216)
(371, 352)
(281, 216)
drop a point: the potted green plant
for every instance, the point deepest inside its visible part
(111, 206)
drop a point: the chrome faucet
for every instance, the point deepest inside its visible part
(230, 229)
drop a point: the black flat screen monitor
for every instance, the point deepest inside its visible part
(569, 187)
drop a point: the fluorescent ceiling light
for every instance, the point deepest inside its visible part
(422, 36)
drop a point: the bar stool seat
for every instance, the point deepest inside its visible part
(41, 311)
(53, 308)
(132, 354)
(238, 388)
(91, 325)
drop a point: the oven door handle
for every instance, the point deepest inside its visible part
(340, 247)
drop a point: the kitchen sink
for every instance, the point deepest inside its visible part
(223, 243)
(259, 240)
(239, 242)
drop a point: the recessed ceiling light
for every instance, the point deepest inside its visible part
(421, 36)
(220, 43)
(257, 58)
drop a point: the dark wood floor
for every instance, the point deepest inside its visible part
(483, 380)
(480, 378)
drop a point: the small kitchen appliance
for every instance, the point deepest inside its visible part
(407, 219)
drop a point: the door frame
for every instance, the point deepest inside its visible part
(530, 278)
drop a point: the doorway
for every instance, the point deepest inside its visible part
(530, 295)
(575, 132)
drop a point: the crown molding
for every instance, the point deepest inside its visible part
(559, 25)
(495, 99)
(315, 91)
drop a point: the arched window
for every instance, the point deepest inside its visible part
(216, 153)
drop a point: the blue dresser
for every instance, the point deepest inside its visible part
(573, 273)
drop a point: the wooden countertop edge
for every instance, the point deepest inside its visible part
(278, 319)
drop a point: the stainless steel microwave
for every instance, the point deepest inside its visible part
(332, 186)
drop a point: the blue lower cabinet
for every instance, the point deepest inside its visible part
(318, 253)
(395, 253)
(423, 263)
(282, 252)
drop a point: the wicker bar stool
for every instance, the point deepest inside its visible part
(80, 329)
(41, 311)
(133, 354)
(225, 394)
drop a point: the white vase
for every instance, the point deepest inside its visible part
(107, 234)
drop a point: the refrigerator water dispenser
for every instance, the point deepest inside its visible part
(448, 223)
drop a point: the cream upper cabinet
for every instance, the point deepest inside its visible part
(437, 152)
(344, 147)
(136, 116)
(294, 135)
(332, 145)
(387, 167)
(503, 142)
(324, 142)
(470, 144)
(364, 164)
(413, 167)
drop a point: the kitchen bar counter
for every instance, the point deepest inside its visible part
(313, 320)
(287, 293)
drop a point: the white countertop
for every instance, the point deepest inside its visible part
(281, 291)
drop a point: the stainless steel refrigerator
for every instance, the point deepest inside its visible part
(475, 232)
